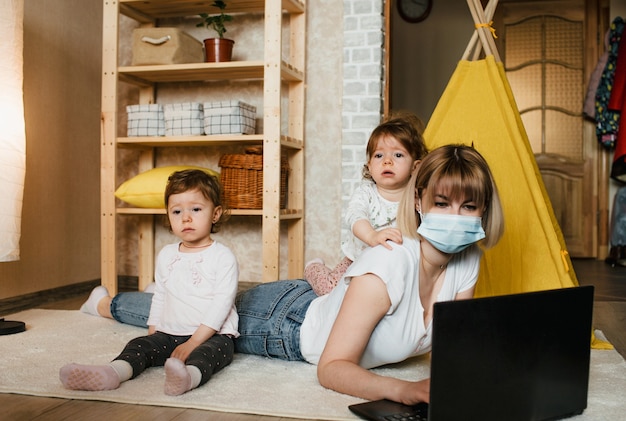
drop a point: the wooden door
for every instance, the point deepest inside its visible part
(545, 48)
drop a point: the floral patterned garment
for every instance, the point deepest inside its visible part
(607, 121)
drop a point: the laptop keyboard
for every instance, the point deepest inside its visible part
(407, 416)
(385, 410)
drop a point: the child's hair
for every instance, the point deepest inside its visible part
(208, 185)
(406, 128)
(458, 171)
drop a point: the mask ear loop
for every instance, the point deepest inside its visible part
(419, 209)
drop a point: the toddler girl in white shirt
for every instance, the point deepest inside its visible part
(193, 320)
(394, 150)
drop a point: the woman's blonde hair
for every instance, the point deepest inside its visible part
(458, 172)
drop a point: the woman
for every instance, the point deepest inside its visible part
(381, 312)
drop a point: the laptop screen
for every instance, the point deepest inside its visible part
(511, 357)
(514, 357)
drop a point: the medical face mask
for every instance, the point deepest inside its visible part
(450, 233)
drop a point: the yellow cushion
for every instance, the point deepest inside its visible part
(146, 190)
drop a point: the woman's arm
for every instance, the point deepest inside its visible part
(365, 304)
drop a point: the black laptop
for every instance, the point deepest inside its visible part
(512, 357)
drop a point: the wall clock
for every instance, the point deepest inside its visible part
(414, 11)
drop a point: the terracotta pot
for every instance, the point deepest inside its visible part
(218, 49)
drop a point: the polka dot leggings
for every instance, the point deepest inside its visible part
(153, 350)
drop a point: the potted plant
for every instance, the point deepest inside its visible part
(220, 48)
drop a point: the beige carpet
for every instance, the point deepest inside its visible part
(31, 360)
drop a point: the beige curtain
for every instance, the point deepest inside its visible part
(12, 132)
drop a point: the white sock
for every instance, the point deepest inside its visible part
(195, 374)
(123, 369)
(91, 305)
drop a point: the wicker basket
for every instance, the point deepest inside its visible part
(242, 178)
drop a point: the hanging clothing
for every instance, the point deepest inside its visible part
(617, 255)
(607, 120)
(617, 103)
(589, 106)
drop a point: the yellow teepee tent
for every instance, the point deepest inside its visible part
(477, 107)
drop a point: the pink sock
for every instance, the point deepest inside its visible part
(177, 378)
(89, 377)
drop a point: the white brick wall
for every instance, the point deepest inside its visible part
(362, 87)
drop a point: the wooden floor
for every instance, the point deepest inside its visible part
(609, 316)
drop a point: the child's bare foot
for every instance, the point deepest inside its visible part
(89, 377)
(177, 378)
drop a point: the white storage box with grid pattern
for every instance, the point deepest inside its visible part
(183, 119)
(145, 120)
(229, 117)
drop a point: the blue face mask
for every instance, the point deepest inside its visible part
(450, 233)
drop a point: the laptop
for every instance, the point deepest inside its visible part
(511, 357)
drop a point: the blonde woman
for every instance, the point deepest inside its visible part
(381, 311)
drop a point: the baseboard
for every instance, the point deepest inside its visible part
(36, 299)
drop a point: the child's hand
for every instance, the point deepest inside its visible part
(183, 351)
(384, 235)
(202, 334)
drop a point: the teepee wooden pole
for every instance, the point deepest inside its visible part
(490, 10)
(483, 29)
(479, 30)
(473, 45)
(488, 30)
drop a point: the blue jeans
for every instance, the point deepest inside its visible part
(132, 308)
(270, 316)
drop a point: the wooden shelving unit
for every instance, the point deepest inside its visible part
(274, 72)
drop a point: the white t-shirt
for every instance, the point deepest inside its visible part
(401, 333)
(367, 203)
(195, 288)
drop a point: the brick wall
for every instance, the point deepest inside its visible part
(362, 87)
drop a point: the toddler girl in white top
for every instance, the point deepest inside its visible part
(193, 320)
(394, 150)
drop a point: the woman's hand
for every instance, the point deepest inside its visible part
(414, 392)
